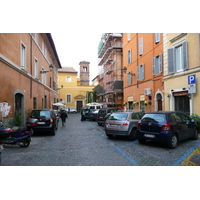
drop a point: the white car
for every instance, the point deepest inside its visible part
(71, 110)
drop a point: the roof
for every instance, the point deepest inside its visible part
(67, 69)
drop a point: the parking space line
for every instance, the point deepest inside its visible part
(185, 157)
(117, 148)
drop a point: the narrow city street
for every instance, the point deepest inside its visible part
(85, 144)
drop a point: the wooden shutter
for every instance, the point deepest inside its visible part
(153, 66)
(171, 61)
(160, 63)
(141, 45)
(185, 56)
(142, 71)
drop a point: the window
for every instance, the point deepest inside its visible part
(23, 56)
(178, 58)
(68, 98)
(43, 76)
(36, 68)
(68, 79)
(34, 102)
(84, 69)
(129, 56)
(129, 78)
(157, 64)
(141, 46)
(157, 37)
(141, 72)
(129, 36)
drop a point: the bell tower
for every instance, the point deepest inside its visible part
(84, 73)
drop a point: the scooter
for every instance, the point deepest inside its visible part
(21, 136)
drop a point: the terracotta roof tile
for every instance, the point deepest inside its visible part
(67, 69)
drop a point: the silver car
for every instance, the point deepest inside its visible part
(123, 124)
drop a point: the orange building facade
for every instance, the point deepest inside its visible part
(143, 71)
(28, 72)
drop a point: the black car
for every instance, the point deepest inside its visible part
(166, 127)
(103, 112)
(47, 120)
(92, 115)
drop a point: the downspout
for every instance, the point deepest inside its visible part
(31, 81)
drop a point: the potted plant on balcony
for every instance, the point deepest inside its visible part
(149, 102)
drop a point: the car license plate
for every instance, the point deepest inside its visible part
(149, 135)
(114, 125)
(41, 122)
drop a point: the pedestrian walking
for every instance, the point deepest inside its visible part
(63, 117)
(83, 115)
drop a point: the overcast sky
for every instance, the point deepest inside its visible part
(74, 47)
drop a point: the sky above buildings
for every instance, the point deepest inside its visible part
(73, 47)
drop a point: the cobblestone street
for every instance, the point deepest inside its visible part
(85, 144)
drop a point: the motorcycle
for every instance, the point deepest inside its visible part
(21, 136)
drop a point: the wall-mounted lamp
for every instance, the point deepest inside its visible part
(124, 69)
(169, 95)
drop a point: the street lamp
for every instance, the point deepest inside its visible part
(44, 71)
(124, 69)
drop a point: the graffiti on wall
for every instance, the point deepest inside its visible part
(4, 109)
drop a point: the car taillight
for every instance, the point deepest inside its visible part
(139, 125)
(7, 129)
(51, 120)
(29, 117)
(166, 127)
(126, 123)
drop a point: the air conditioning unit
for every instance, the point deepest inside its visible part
(147, 91)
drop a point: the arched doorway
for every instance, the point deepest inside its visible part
(159, 101)
(19, 105)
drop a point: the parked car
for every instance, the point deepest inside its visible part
(167, 127)
(103, 112)
(86, 111)
(71, 110)
(92, 115)
(123, 124)
(48, 121)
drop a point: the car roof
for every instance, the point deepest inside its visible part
(164, 112)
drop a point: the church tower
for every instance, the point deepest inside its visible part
(84, 73)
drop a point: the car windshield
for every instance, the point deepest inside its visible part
(154, 118)
(118, 116)
(40, 114)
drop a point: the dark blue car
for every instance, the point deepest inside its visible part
(167, 127)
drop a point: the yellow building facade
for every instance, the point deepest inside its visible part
(182, 72)
(71, 93)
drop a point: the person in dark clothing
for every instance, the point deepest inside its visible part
(63, 117)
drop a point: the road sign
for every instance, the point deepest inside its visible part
(192, 79)
(191, 88)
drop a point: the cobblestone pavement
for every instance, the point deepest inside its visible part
(85, 144)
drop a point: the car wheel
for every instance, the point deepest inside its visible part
(196, 135)
(173, 142)
(109, 136)
(133, 134)
(141, 141)
(53, 132)
(99, 123)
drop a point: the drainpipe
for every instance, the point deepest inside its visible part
(31, 59)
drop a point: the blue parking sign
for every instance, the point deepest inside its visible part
(192, 79)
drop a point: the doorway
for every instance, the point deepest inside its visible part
(19, 106)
